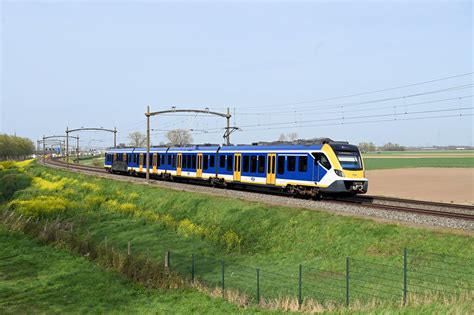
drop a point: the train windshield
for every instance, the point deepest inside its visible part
(349, 160)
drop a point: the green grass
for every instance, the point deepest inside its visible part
(421, 152)
(393, 163)
(41, 279)
(92, 161)
(275, 239)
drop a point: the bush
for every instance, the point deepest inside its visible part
(40, 206)
(12, 181)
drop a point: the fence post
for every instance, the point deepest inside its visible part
(347, 282)
(167, 259)
(300, 298)
(404, 276)
(128, 249)
(258, 286)
(223, 285)
(192, 269)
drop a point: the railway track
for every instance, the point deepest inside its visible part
(447, 210)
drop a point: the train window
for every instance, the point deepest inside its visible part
(246, 163)
(173, 160)
(281, 164)
(169, 159)
(261, 164)
(253, 164)
(302, 164)
(222, 161)
(229, 162)
(291, 163)
(185, 161)
(322, 159)
(211, 161)
(163, 161)
(194, 160)
(205, 161)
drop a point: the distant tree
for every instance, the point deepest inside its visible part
(179, 137)
(282, 137)
(292, 136)
(392, 147)
(15, 148)
(365, 147)
(137, 139)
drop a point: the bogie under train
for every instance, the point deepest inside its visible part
(326, 168)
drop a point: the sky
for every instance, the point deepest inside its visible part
(280, 67)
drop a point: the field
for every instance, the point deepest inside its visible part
(451, 185)
(245, 234)
(380, 163)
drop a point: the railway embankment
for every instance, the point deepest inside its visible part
(209, 236)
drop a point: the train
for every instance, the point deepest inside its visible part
(313, 170)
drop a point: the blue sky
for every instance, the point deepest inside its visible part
(86, 64)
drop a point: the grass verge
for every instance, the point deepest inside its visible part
(36, 278)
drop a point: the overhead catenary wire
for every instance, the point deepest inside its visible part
(369, 92)
(463, 115)
(453, 88)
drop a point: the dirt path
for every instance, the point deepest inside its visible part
(434, 184)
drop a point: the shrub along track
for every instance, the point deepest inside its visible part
(414, 211)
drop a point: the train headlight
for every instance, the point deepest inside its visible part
(339, 173)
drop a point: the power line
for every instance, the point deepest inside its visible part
(369, 92)
(359, 117)
(453, 88)
(371, 121)
(375, 108)
(404, 106)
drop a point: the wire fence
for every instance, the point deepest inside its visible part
(413, 274)
(417, 273)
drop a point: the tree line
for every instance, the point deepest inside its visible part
(370, 147)
(15, 148)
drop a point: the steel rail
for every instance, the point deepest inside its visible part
(371, 199)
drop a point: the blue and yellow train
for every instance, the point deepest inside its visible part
(313, 170)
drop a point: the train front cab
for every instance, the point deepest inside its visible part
(346, 172)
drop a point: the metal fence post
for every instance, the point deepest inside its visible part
(258, 286)
(223, 285)
(404, 276)
(128, 249)
(167, 259)
(347, 281)
(192, 269)
(300, 298)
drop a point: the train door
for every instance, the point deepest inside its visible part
(237, 166)
(115, 157)
(140, 169)
(155, 158)
(271, 175)
(199, 165)
(179, 164)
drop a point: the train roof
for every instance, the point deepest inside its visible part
(231, 148)
(303, 145)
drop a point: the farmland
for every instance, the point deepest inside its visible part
(378, 163)
(190, 223)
